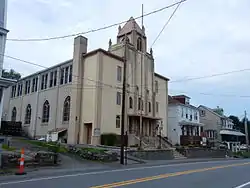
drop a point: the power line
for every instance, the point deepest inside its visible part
(174, 81)
(210, 76)
(93, 30)
(169, 19)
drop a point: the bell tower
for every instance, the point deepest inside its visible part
(135, 35)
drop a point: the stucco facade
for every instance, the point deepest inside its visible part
(95, 91)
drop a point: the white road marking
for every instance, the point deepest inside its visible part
(110, 171)
(243, 185)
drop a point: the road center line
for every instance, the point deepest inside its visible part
(243, 185)
(110, 171)
(134, 181)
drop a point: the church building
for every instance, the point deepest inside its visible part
(83, 96)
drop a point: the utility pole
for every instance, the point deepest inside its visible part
(246, 128)
(124, 89)
(141, 101)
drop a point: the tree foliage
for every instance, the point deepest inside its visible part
(12, 74)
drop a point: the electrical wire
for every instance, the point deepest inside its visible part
(92, 30)
(168, 21)
(174, 81)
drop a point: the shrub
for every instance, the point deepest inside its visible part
(109, 139)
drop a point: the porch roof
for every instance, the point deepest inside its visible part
(144, 116)
(232, 132)
(183, 122)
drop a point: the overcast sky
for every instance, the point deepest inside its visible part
(204, 37)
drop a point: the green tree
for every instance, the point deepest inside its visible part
(12, 74)
(237, 123)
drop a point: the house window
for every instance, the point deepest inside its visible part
(141, 104)
(186, 113)
(118, 98)
(139, 44)
(157, 106)
(55, 78)
(203, 113)
(149, 106)
(51, 79)
(66, 109)
(130, 102)
(66, 75)
(182, 112)
(45, 81)
(70, 73)
(13, 114)
(195, 116)
(119, 73)
(118, 121)
(46, 109)
(62, 76)
(27, 114)
(156, 86)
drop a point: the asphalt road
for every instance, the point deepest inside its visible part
(218, 174)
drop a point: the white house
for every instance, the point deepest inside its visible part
(184, 125)
(83, 96)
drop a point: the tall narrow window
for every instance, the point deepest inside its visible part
(36, 85)
(118, 121)
(139, 44)
(62, 76)
(45, 81)
(119, 73)
(46, 111)
(51, 79)
(55, 78)
(13, 114)
(70, 73)
(42, 83)
(33, 84)
(66, 109)
(139, 103)
(27, 114)
(157, 106)
(27, 87)
(118, 98)
(130, 102)
(66, 75)
(149, 106)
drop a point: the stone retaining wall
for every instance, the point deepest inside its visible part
(152, 154)
(204, 153)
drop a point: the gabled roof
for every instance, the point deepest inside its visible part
(131, 25)
(213, 112)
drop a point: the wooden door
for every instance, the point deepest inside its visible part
(89, 132)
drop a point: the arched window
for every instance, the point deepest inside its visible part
(149, 106)
(27, 114)
(139, 44)
(130, 102)
(13, 114)
(66, 109)
(46, 109)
